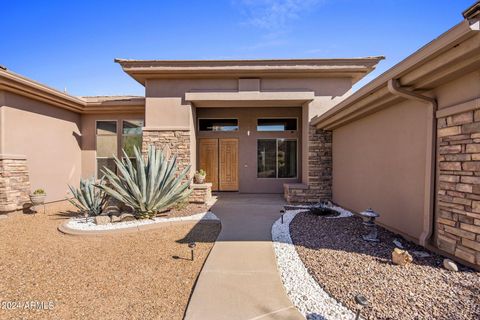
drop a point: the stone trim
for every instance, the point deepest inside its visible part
(319, 185)
(201, 193)
(178, 142)
(14, 182)
(458, 186)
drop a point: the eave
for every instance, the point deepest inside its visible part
(454, 53)
(17, 84)
(143, 70)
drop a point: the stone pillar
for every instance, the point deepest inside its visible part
(177, 140)
(14, 182)
(458, 199)
(319, 186)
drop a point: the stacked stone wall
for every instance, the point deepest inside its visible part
(14, 183)
(458, 186)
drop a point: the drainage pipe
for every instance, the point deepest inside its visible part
(430, 164)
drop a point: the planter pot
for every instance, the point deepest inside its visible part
(37, 200)
(199, 179)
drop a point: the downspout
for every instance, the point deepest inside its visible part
(430, 164)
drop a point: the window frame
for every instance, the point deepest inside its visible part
(96, 147)
(276, 118)
(217, 118)
(276, 157)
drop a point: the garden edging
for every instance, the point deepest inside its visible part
(303, 290)
(136, 226)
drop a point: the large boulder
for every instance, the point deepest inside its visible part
(99, 220)
(401, 257)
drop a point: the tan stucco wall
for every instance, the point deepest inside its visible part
(247, 164)
(88, 127)
(166, 108)
(50, 139)
(379, 162)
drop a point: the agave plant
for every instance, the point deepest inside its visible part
(88, 198)
(149, 186)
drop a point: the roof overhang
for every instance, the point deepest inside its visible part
(17, 84)
(143, 70)
(452, 54)
(249, 99)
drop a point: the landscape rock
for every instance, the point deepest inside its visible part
(398, 243)
(421, 254)
(401, 257)
(116, 218)
(450, 265)
(112, 210)
(127, 217)
(99, 220)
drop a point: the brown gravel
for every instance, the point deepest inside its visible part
(145, 275)
(345, 265)
(190, 209)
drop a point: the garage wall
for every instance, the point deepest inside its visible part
(387, 151)
(49, 137)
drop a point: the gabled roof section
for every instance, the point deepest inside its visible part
(142, 70)
(452, 54)
(23, 86)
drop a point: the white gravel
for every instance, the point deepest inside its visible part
(89, 224)
(304, 292)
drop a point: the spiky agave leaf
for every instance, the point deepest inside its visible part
(147, 185)
(88, 198)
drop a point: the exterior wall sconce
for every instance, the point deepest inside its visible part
(369, 217)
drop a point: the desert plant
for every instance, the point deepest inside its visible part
(89, 199)
(152, 185)
(39, 192)
(201, 172)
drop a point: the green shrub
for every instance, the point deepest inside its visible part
(39, 192)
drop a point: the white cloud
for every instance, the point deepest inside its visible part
(275, 14)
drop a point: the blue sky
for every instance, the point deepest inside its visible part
(72, 44)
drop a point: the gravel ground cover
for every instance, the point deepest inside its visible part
(145, 275)
(344, 265)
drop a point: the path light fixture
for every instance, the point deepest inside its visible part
(369, 217)
(282, 212)
(192, 246)
(362, 303)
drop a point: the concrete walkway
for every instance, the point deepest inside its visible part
(240, 278)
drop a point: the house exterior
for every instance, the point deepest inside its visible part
(408, 144)
(246, 122)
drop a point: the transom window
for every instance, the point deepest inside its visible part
(218, 124)
(276, 158)
(276, 124)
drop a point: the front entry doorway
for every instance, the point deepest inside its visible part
(219, 158)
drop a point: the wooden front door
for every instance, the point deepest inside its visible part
(219, 158)
(228, 165)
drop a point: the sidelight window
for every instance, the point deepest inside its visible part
(276, 158)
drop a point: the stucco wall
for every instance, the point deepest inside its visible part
(247, 149)
(379, 162)
(88, 127)
(49, 137)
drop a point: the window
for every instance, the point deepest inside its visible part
(276, 158)
(287, 124)
(106, 136)
(218, 124)
(131, 136)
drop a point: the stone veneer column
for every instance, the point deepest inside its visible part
(177, 140)
(458, 198)
(319, 185)
(14, 182)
